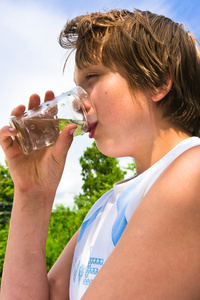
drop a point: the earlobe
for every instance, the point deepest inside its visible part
(163, 91)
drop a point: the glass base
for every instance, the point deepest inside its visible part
(22, 137)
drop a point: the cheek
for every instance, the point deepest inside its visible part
(109, 105)
(102, 99)
(111, 98)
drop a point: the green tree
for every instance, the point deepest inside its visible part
(132, 168)
(6, 194)
(99, 173)
(63, 224)
(6, 200)
(3, 243)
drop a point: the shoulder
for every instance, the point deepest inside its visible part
(190, 159)
(182, 176)
(174, 197)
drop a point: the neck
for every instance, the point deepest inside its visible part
(154, 148)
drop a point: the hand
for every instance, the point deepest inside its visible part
(42, 169)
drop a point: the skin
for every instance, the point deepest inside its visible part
(161, 241)
(132, 118)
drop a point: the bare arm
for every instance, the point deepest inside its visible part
(24, 273)
(36, 178)
(158, 255)
(59, 275)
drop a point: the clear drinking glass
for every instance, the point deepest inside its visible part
(40, 127)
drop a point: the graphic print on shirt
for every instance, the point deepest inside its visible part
(120, 221)
(88, 223)
(87, 273)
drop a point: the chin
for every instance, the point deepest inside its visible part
(110, 149)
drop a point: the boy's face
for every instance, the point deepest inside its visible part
(123, 115)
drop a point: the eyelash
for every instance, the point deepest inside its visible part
(89, 76)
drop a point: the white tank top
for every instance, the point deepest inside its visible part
(107, 219)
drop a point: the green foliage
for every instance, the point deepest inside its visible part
(3, 243)
(63, 224)
(99, 173)
(6, 194)
(132, 168)
(6, 200)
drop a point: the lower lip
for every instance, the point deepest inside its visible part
(92, 132)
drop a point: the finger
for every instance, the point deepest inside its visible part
(6, 140)
(49, 95)
(34, 101)
(17, 111)
(64, 142)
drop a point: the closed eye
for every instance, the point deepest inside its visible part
(90, 76)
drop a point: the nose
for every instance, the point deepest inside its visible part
(90, 110)
(87, 105)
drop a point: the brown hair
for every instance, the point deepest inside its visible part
(148, 46)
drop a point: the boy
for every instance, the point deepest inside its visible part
(141, 239)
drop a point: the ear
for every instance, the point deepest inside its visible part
(162, 91)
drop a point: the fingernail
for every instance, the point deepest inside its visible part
(72, 131)
(11, 129)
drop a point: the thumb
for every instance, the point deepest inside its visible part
(64, 142)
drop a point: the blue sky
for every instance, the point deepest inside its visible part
(31, 59)
(181, 11)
